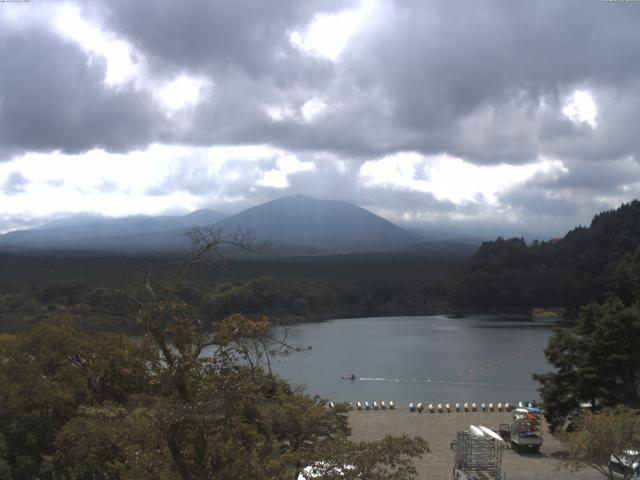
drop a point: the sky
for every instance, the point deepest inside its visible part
(511, 116)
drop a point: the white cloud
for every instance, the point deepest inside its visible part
(313, 108)
(76, 183)
(329, 34)
(581, 108)
(117, 54)
(450, 178)
(280, 112)
(125, 65)
(285, 166)
(181, 92)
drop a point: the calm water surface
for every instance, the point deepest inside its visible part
(411, 359)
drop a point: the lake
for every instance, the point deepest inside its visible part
(434, 359)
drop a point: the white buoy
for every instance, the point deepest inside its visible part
(419, 407)
(457, 407)
(359, 405)
(447, 407)
(490, 407)
(412, 407)
(375, 405)
(383, 405)
(507, 407)
(439, 408)
(473, 407)
(466, 407)
(500, 406)
(392, 406)
(366, 405)
(431, 408)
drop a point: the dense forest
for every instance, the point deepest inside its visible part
(89, 286)
(505, 274)
(79, 406)
(566, 272)
(597, 361)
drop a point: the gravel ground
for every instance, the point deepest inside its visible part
(439, 429)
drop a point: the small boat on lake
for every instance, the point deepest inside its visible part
(351, 377)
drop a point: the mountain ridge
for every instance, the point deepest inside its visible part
(292, 222)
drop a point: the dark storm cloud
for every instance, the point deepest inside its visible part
(444, 64)
(537, 201)
(14, 184)
(217, 36)
(53, 98)
(483, 81)
(603, 176)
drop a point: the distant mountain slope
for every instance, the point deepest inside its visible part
(95, 232)
(292, 225)
(566, 272)
(302, 220)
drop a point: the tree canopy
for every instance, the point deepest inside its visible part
(567, 272)
(598, 361)
(105, 406)
(603, 437)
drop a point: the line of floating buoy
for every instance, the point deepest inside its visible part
(466, 407)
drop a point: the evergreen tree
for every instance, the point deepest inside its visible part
(598, 360)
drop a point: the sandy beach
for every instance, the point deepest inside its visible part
(439, 429)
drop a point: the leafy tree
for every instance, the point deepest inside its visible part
(388, 459)
(568, 272)
(597, 361)
(612, 433)
(5, 469)
(79, 406)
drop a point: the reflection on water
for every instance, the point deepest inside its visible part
(410, 359)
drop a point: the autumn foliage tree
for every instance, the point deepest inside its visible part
(612, 434)
(190, 400)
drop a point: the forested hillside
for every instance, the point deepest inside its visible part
(34, 286)
(566, 272)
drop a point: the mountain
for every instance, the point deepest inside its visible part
(291, 225)
(568, 272)
(329, 224)
(92, 232)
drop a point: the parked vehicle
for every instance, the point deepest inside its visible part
(626, 465)
(525, 431)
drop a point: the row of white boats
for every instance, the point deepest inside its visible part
(439, 408)
(373, 406)
(466, 407)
